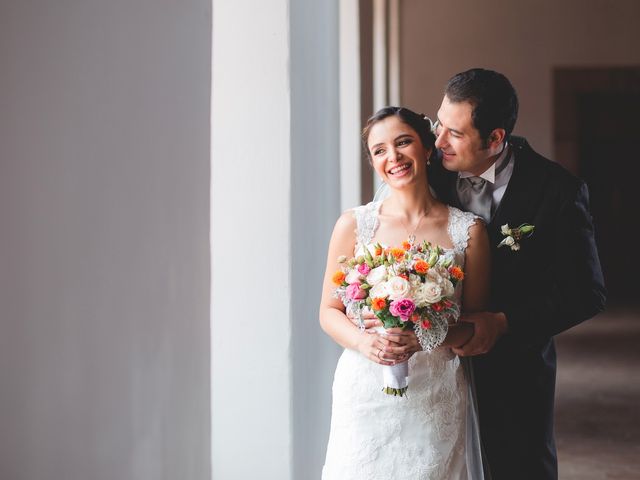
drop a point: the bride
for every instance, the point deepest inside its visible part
(431, 433)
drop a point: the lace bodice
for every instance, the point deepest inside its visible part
(458, 227)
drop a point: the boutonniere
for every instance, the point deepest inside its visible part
(512, 236)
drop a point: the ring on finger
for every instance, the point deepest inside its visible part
(379, 352)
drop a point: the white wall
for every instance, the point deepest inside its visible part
(524, 40)
(104, 113)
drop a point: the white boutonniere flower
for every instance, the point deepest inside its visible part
(512, 236)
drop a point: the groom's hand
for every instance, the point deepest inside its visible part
(488, 327)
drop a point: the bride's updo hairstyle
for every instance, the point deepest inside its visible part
(419, 123)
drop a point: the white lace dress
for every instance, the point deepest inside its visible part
(425, 435)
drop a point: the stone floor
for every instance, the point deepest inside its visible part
(598, 398)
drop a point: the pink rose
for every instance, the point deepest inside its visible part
(364, 269)
(402, 308)
(354, 292)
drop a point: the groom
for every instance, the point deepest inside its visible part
(543, 282)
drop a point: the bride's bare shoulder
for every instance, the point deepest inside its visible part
(346, 225)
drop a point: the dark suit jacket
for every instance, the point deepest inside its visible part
(552, 283)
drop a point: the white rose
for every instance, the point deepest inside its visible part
(437, 274)
(398, 287)
(447, 288)
(431, 292)
(505, 230)
(370, 247)
(415, 283)
(432, 275)
(379, 290)
(352, 277)
(377, 275)
(509, 241)
(443, 272)
(419, 297)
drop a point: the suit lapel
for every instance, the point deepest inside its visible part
(520, 199)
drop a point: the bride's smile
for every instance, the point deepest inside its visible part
(400, 170)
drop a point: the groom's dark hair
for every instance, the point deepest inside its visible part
(492, 97)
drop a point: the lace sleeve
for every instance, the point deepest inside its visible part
(366, 223)
(459, 224)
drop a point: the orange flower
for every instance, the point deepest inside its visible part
(426, 324)
(378, 304)
(456, 272)
(378, 251)
(406, 245)
(338, 277)
(415, 317)
(421, 266)
(398, 253)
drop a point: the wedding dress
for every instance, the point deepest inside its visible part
(431, 433)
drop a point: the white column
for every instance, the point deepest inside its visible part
(250, 248)
(350, 144)
(275, 196)
(380, 88)
(380, 63)
(394, 52)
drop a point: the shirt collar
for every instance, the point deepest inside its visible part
(490, 173)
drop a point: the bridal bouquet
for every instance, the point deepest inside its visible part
(411, 286)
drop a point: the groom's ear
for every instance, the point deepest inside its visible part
(497, 137)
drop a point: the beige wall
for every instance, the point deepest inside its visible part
(525, 40)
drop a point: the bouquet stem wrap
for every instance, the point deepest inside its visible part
(394, 377)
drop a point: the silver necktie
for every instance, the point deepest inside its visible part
(476, 196)
(476, 193)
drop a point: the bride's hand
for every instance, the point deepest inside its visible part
(368, 317)
(403, 343)
(381, 349)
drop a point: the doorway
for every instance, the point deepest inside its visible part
(597, 137)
